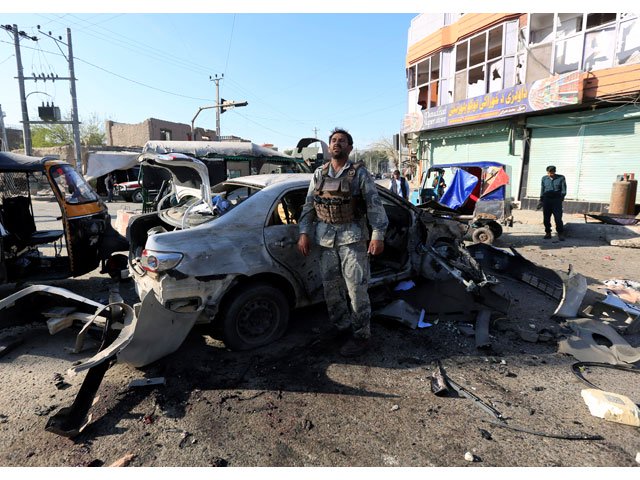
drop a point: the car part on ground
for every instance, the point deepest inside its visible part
(568, 288)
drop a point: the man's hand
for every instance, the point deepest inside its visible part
(376, 247)
(539, 206)
(304, 244)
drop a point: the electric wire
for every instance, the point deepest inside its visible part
(120, 76)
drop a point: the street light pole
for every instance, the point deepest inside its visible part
(217, 80)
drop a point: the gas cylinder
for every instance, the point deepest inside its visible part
(620, 196)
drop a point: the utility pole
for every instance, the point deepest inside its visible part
(221, 106)
(26, 123)
(26, 128)
(74, 107)
(217, 80)
(5, 143)
(315, 132)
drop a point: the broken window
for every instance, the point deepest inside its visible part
(433, 94)
(477, 82)
(628, 46)
(423, 72)
(568, 24)
(461, 56)
(599, 19)
(541, 28)
(477, 48)
(423, 97)
(496, 75)
(446, 82)
(494, 48)
(598, 48)
(411, 77)
(568, 55)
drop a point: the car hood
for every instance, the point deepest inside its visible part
(189, 176)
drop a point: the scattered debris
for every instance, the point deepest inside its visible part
(439, 385)
(402, 312)
(614, 316)
(405, 285)
(501, 422)
(185, 439)
(611, 406)
(59, 382)
(584, 347)
(219, 462)
(466, 329)
(124, 461)
(485, 434)
(580, 367)
(43, 411)
(395, 408)
(8, 343)
(145, 382)
(3, 418)
(627, 290)
(638, 457)
(307, 424)
(470, 457)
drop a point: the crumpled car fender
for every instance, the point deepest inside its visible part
(148, 335)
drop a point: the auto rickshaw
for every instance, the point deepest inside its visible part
(85, 236)
(476, 194)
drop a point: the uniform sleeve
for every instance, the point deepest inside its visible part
(541, 188)
(563, 187)
(376, 215)
(308, 215)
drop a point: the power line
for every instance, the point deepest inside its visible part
(119, 76)
(230, 39)
(264, 126)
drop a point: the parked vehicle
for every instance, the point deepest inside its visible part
(476, 194)
(85, 234)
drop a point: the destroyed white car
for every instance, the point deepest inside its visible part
(227, 254)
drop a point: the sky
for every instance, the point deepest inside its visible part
(331, 64)
(299, 73)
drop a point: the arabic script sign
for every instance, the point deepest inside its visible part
(551, 92)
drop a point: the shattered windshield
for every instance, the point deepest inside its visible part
(72, 185)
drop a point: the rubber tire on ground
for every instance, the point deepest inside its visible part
(483, 235)
(137, 196)
(256, 315)
(496, 228)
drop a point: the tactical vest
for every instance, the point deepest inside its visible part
(332, 198)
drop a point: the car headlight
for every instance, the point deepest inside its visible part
(152, 261)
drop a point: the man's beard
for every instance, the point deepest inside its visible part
(341, 155)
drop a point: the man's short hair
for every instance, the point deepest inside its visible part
(396, 171)
(551, 169)
(344, 132)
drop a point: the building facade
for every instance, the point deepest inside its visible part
(136, 135)
(528, 90)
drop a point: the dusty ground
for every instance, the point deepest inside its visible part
(298, 403)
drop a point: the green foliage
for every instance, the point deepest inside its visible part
(52, 135)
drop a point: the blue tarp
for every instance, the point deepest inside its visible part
(460, 187)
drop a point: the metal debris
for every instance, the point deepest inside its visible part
(124, 461)
(145, 382)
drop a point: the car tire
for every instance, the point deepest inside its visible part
(137, 196)
(254, 316)
(126, 197)
(496, 229)
(483, 235)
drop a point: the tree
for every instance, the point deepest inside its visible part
(55, 134)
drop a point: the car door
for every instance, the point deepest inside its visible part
(281, 237)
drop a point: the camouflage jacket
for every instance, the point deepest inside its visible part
(328, 235)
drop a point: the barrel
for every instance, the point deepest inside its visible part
(620, 197)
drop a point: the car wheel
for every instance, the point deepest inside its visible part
(495, 228)
(126, 197)
(137, 196)
(255, 316)
(483, 235)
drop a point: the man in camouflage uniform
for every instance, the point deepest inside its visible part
(341, 198)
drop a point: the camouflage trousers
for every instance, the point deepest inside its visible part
(345, 278)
